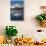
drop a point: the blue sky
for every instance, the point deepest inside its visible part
(19, 2)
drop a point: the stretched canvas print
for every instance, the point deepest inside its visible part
(17, 10)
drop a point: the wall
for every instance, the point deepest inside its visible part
(32, 8)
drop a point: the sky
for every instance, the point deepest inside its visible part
(18, 2)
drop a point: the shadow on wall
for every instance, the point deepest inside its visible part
(34, 22)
